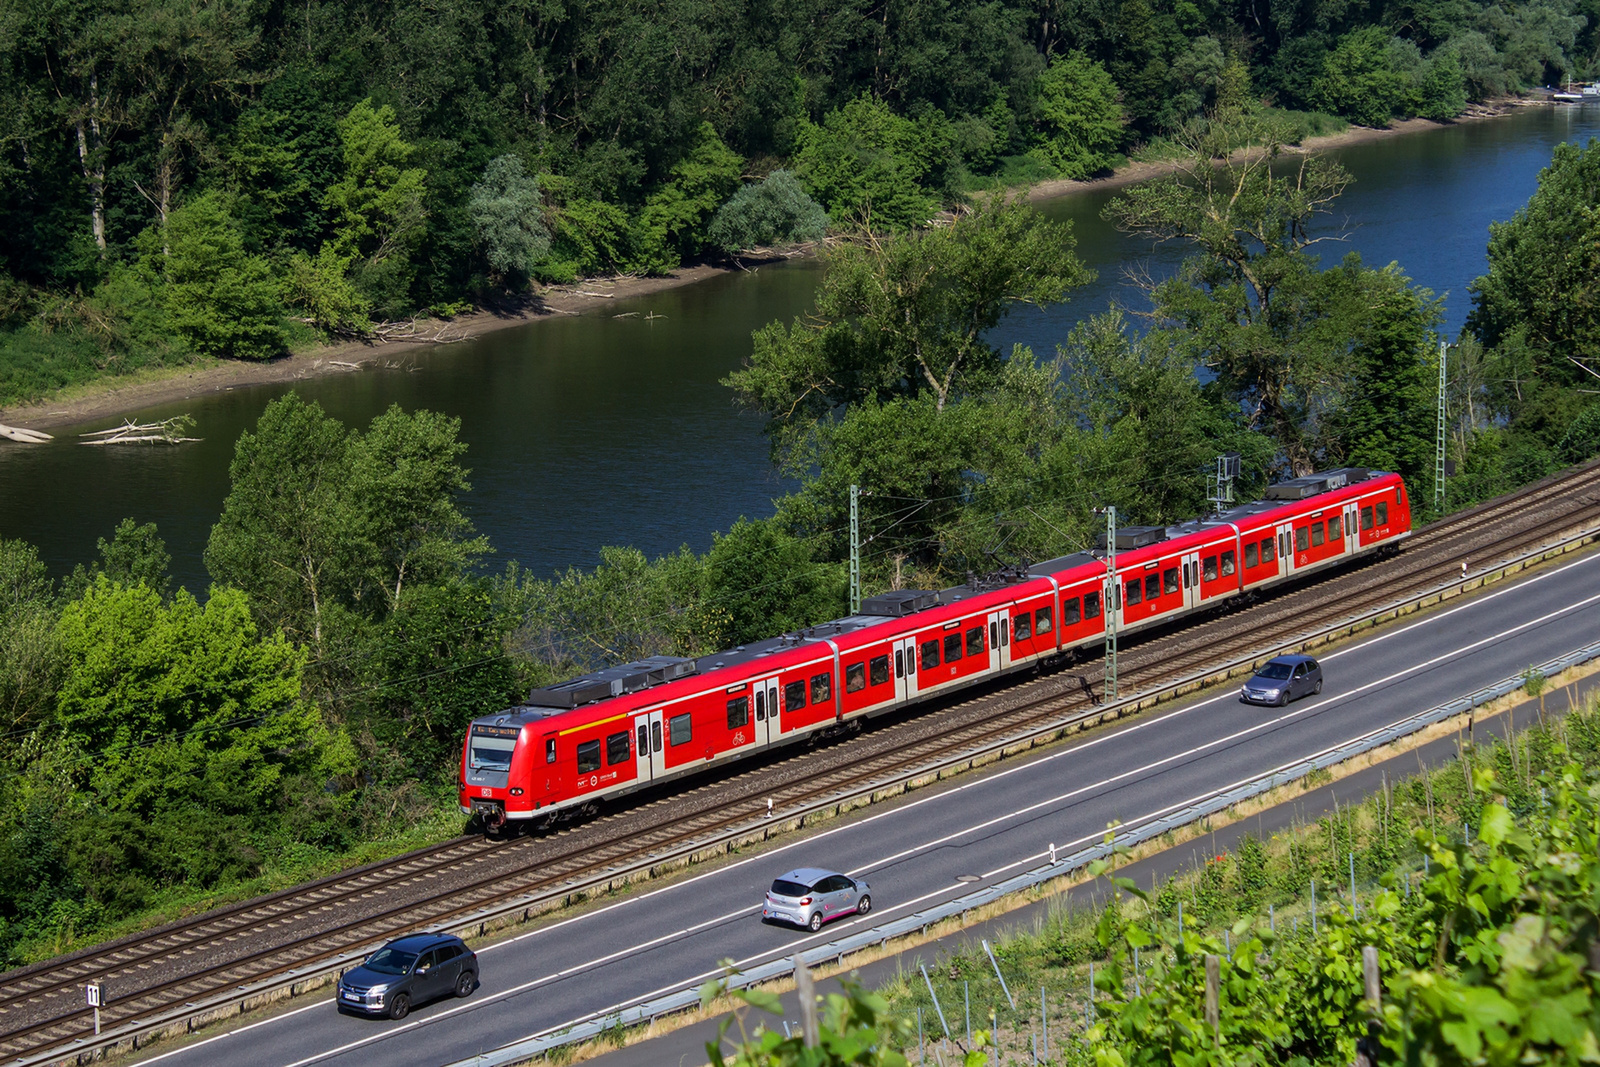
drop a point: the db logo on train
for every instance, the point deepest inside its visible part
(486, 791)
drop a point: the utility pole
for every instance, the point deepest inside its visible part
(1220, 489)
(1112, 600)
(1438, 448)
(855, 550)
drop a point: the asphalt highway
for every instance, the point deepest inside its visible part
(939, 843)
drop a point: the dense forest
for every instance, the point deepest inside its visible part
(183, 179)
(245, 174)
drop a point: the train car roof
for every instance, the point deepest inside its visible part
(639, 676)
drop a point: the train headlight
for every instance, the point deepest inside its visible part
(516, 791)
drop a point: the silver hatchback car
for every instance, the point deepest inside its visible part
(810, 896)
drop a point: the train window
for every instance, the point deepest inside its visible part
(1042, 620)
(1302, 539)
(994, 635)
(644, 739)
(617, 749)
(794, 696)
(1070, 612)
(1334, 530)
(655, 737)
(761, 704)
(1250, 554)
(930, 653)
(1267, 554)
(1169, 580)
(588, 756)
(1383, 513)
(550, 750)
(1317, 534)
(738, 712)
(1135, 593)
(1227, 563)
(1366, 517)
(899, 663)
(821, 688)
(855, 677)
(1152, 586)
(1005, 633)
(1208, 568)
(878, 670)
(679, 729)
(952, 647)
(1022, 626)
(1091, 605)
(975, 644)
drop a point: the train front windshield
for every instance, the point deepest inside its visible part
(491, 747)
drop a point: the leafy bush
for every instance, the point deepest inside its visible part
(1083, 116)
(775, 210)
(868, 165)
(220, 299)
(507, 213)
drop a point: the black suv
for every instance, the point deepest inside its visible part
(407, 971)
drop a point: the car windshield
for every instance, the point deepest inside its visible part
(785, 888)
(391, 961)
(1276, 671)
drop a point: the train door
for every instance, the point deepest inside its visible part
(999, 640)
(1352, 528)
(765, 697)
(905, 668)
(1285, 549)
(647, 745)
(1191, 579)
(1112, 594)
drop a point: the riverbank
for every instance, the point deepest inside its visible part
(111, 397)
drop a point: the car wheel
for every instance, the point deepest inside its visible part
(400, 1006)
(863, 905)
(1283, 699)
(816, 921)
(1318, 689)
(465, 983)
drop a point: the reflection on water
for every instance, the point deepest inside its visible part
(594, 429)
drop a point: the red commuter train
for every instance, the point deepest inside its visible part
(614, 731)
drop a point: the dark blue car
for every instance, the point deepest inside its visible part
(410, 970)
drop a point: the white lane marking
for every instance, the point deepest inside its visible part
(1075, 750)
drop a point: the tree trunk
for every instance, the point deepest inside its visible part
(92, 159)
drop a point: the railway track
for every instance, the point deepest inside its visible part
(41, 1006)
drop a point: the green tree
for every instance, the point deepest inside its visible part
(378, 203)
(759, 580)
(508, 213)
(437, 662)
(319, 516)
(195, 735)
(775, 210)
(1442, 93)
(1083, 115)
(1358, 79)
(672, 223)
(283, 535)
(322, 288)
(907, 316)
(1248, 304)
(29, 653)
(222, 300)
(867, 165)
(1538, 306)
(135, 555)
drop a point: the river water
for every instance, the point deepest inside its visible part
(611, 427)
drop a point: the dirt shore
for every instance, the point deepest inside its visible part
(116, 396)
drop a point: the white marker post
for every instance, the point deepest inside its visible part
(92, 991)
